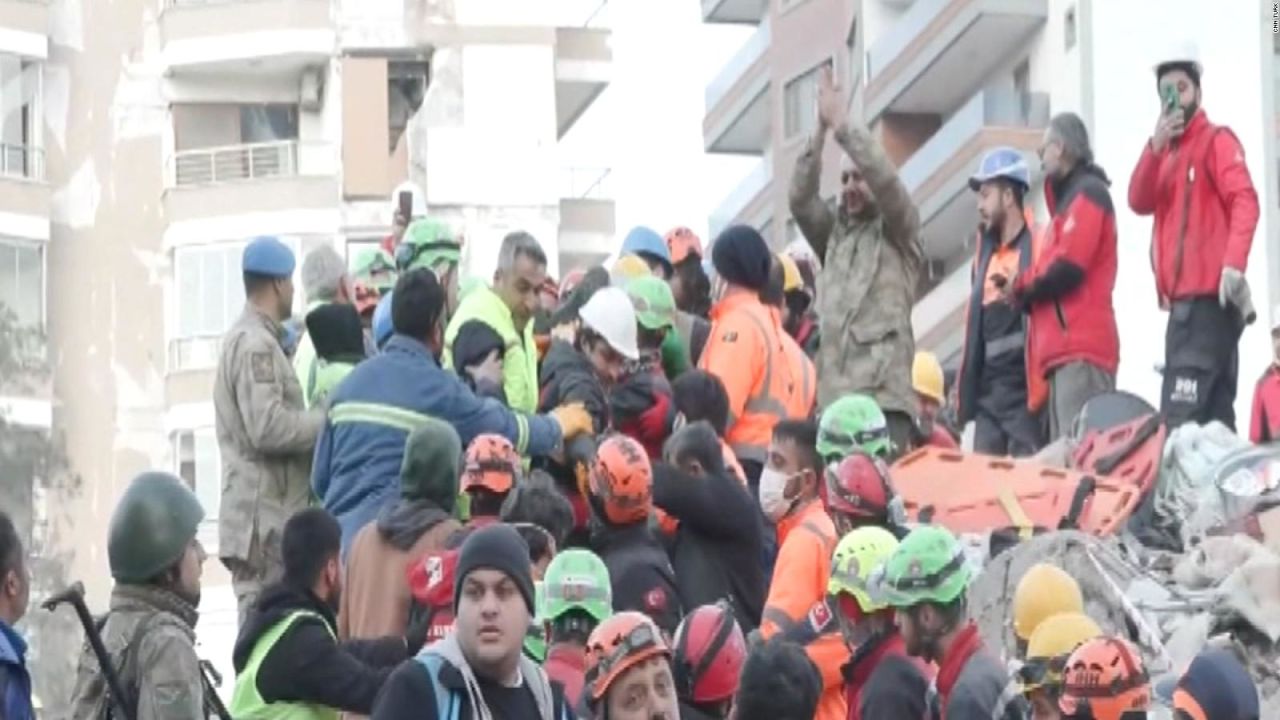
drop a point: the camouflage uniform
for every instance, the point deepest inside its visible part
(868, 280)
(150, 636)
(266, 438)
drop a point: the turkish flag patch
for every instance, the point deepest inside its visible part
(819, 616)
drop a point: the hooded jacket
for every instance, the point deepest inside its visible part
(568, 377)
(642, 406)
(307, 664)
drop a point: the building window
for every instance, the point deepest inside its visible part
(22, 282)
(20, 155)
(209, 295)
(1069, 28)
(224, 143)
(196, 461)
(800, 97)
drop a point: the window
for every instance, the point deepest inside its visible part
(22, 282)
(196, 461)
(800, 99)
(209, 295)
(18, 119)
(1069, 28)
(199, 126)
(1022, 87)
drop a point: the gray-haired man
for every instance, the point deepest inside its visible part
(325, 279)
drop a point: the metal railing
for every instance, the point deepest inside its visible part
(22, 161)
(234, 163)
(588, 183)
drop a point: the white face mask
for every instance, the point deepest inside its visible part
(773, 488)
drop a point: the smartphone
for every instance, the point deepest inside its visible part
(1170, 99)
(406, 205)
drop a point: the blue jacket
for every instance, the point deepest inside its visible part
(15, 681)
(356, 472)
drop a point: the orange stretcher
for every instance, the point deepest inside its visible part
(1129, 452)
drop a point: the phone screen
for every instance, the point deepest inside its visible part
(1170, 99)
(406, 205)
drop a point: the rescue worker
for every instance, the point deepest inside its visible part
(641, 403)
(806, 539)
(1105, 680)
(508, 309)
(149, 630)
(576, 597)
(1043, 591)
(804, 301)
(287, 658)
(775, 295)
(1193, 179)
(699, 395)
(478, 671)
(376, 269)
(881, 681)
(1265, 425)
(489, 472)
(325, 280)
(929, 382)
(692, 290)
(709, 651)
(871, 261)
(15, 592)
(859, 493)
(265, 433)
(648, 245)
(384, 398)
(1068, 290)
(376, 600)
(925, 580)
(1216, 687)
(620, 495)
(779, 682)
(746, 350)
(629, 672)
(716, 547)
(1047, 651)
(852, 423)
(338, 341)
(792, 289)
(431, 244)
(1000, 388)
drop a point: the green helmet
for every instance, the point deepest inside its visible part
(428, 243)
(375, 268)
(858, 554)
(151, 527)
(535, 638)
(577, 580)
(854, 422)
(928, 566)
(655, 305)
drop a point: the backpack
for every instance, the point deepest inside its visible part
(431, 592)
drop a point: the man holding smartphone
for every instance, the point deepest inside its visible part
(1193, 179)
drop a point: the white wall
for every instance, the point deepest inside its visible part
(877, 17)
(1234, 41)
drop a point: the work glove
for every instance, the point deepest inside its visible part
(1233, 289)
(573, 419)
(582, 476)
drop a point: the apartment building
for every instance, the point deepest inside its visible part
(145, 141)
(942, 81)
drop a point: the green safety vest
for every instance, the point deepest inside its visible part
(325, 376)
(247, 702)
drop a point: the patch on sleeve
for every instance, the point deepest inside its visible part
(819, 617)
(263, 367)
(655, 601)
(731, 336)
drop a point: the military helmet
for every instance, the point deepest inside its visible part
(854, 422)
(151, 527)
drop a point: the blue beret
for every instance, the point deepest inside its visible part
(268, 256)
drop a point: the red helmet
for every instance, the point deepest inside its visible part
(570, 281)
(859, 487)
(710, 651)
(681, 243)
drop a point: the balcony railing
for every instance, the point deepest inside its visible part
(235, 163)
(746, 56)
(21, 161)
(586, 183)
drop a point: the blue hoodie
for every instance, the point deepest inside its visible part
(15, 681)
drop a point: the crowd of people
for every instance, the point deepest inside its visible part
(661, 489)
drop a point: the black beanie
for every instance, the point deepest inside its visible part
(336, 332)
(742, 257)
(473, 343)
(497, 547)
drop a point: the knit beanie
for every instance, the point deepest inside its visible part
(336, 332)
(1216, 685)
(473, 343)
(430, 469)
(742, 257)
(496, 547)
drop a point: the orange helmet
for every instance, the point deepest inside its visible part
(621, 480)
(625, 640)
(492, 464)
(681, 243)
(366, 298)
(1104, 680)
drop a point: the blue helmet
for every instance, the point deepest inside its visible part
(647, 241)
(382, 327)
(1002, 162)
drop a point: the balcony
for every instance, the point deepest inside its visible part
(937, 174)
(584, 67)
(940, 50)
(281, 37)
(24, 28)
(22, 189)
(243, 179)
(747, 12)
(587, 217)
(750, 202)
(737, 118)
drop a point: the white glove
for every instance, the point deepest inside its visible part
(1233, 288)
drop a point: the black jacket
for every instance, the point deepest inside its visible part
(692, 712)
(307, 664)
(716, 551)
(640, 573)
(566, 376)
(409, 695)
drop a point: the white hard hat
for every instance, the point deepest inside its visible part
(1185, 51)
(610, 313)
(418, 208)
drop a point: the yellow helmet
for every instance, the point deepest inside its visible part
(628, 268)
(791, 279)
(1050, 646)
(1045, 590)
(927, 377)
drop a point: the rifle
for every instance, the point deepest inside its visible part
(75, 595)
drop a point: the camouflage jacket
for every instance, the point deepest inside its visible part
(869, 273)
(265, 437)
(150, 635)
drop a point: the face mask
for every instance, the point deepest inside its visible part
(773, 488)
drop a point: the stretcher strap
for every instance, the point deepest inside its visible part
(1083, 491)
(1108, 464)
(1010, 503)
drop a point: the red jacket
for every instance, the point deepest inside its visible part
(860, 678)
(1068, 289)
(567, 665)
(1265, 427)
(1219, 209)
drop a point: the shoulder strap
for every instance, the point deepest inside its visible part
(446, 700)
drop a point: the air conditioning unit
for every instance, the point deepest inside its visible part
(311, 90)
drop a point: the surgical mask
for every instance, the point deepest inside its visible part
(773, 499)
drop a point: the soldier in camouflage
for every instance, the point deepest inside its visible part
(149, 631)
(872, 259)
(265, 434)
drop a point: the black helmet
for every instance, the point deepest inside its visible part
(151, 527)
